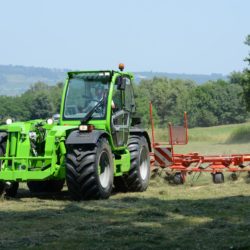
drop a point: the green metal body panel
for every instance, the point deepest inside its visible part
(46, 160)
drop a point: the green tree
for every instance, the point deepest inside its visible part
(236, 77)
(245, 80)
(41, 100)
(216, 103)
(41, 106)
(55, 96)
(247, 42)
(170, 99)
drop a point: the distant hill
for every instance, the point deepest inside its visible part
(15, 80)
(199, 79)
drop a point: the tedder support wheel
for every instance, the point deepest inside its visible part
(49, 186)
(218, 178)
(178, 179)
(233, 177)
(90, 171)
(137, 179)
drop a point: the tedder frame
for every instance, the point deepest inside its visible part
(178, 165)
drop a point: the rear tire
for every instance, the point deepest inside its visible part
(137, 179)
(49, 186)
(90, 171)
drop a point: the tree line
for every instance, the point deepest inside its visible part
(39, 101)
(213, 103)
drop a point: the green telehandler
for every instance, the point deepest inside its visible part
(95, 145)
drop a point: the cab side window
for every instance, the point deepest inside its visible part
(117, 99)
(129, 98)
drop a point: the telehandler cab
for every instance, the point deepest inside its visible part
(94, 146)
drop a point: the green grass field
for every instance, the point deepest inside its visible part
(196, 215)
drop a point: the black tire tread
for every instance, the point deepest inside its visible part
(81, 172)
(131, 181)
(11, 191)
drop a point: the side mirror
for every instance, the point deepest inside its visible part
(121, 83)
(56, 117)
(135, 121)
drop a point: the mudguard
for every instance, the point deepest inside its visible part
(141, 132)
(78, 137)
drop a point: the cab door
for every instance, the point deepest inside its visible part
(123, 105)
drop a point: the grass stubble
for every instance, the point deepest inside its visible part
(196, 215)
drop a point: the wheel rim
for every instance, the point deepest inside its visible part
(104, 169)
(144, 163)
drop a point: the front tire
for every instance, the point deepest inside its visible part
(90, 171)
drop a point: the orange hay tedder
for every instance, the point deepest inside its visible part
(180, 165)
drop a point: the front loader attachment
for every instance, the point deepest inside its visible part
(31, 151)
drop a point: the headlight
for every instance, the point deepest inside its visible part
(9, 121)
(50, 121)
(32, 135)
(87, 128)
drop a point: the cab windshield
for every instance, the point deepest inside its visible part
(84, 92)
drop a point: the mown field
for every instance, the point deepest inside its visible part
(197, 215)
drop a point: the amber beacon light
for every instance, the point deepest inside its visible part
(121, 66)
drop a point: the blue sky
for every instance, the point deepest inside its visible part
(177, 36)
